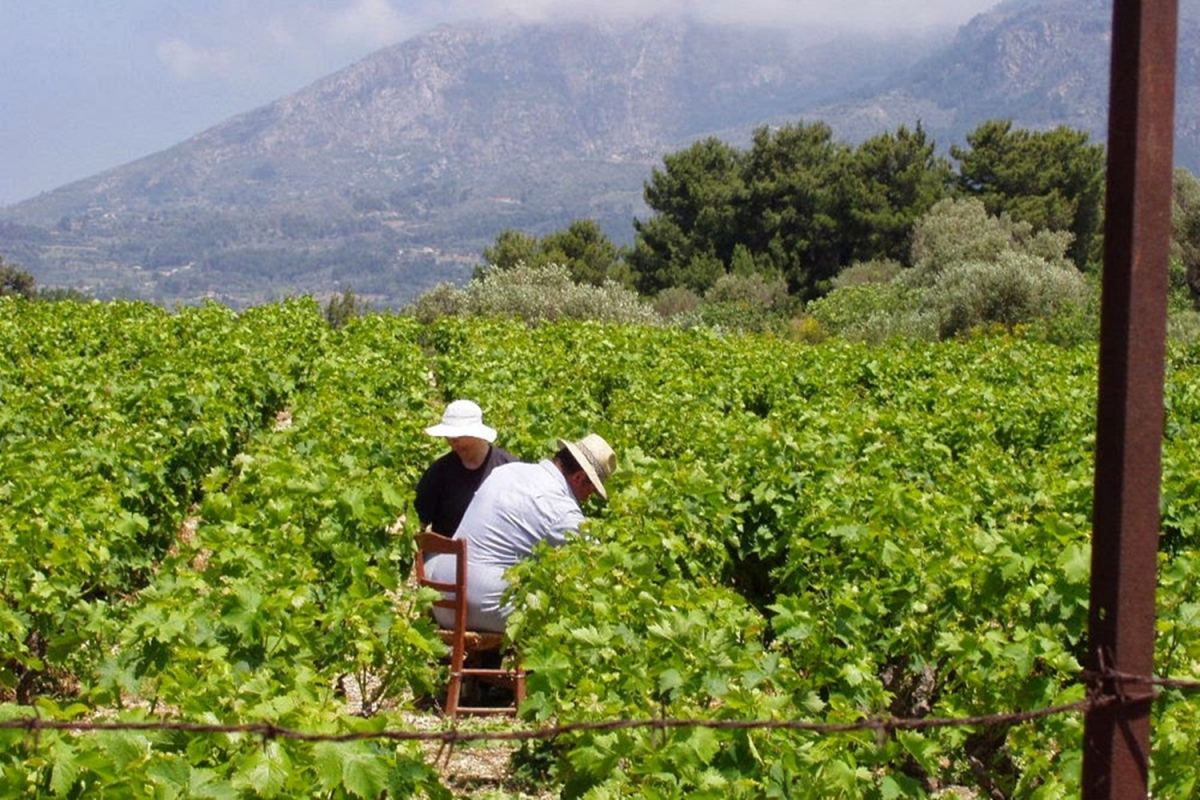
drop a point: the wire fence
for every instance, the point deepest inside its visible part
(452, 735)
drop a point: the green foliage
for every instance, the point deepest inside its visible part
(113, 414)
(876, 271)
(962, 231)
(874, 312)
(696, 198)
(690, 652)
(796, 203)
(970, 270)
(911, 525)
(1184, 327)
(511, 249)
(791, 207)
(588, 253)
(57, 294)
(1013, 289)
(199, 514)
(975, 269)
(754, 288)
(15, 282)
(534, 294)
(344, 307)
(203, 517)
(1185, 237)
(676, 301)
(892, 180)
(1052, 180)
(583, 248)
(1077, 322)
(747, 302)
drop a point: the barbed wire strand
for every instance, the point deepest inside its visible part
(453, 735)
(271, 731)
(1164, 683)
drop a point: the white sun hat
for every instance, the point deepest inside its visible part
(595, 457)
(462, 418)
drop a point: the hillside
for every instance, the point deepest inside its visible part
(392, 174)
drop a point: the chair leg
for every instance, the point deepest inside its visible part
(454, 687)
(453, 693)
(519, 689)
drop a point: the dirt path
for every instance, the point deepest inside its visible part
(469, 769)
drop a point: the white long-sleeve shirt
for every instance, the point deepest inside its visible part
(516, 507)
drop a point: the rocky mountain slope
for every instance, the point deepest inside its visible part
(1040, 63)
(392, 174)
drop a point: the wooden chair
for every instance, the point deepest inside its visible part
(465, 646)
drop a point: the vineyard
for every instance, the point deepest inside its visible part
(205, 517)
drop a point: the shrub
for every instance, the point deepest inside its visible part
(676, 300)
(343, 308)
(754, 288)
(534, 294)
(1184, 327)
(16, 282)
(1015, 288)
(738, 317)
(878, 271)
(750, 302)
(961, 231)
(873, 312)
(807, 329)
(443, 300)
(61, 294)
(1074, 323)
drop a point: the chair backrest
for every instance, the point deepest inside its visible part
(460, 640)
(454, 595)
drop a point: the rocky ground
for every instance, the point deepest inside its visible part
(482, 769)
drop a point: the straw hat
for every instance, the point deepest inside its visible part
(462, 418)
(596, 457)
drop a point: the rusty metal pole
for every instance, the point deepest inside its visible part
(1129, 423)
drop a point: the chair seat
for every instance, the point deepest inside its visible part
(474, 640)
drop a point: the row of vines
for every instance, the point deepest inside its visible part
(206, 516)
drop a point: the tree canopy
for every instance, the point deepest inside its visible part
(893, 180)
(583, 249)
(797, 204)
(1054, 180)
(696, 196)
(14, 281)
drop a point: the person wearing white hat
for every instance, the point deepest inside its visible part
(517, 507)
(446, 488)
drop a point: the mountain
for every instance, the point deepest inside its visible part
(391, 175)
(1039, 63)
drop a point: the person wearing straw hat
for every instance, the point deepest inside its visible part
(516, 508)
(446, 488)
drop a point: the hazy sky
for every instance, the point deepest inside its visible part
(86, 85)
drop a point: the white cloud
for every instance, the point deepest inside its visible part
(862, 14)
(237, 44)
(187, 62)
(374, 23)
(280, 34)
(232, 40)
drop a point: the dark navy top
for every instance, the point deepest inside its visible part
(446, 489)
